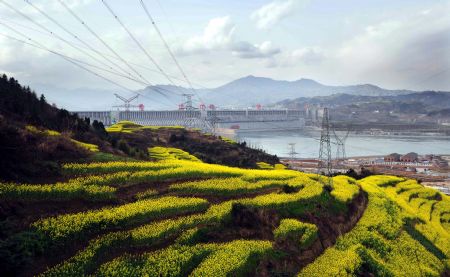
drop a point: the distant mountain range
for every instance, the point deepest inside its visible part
(428, 106)
(241, 93)
(251, 90)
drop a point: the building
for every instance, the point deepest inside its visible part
(394, 157)
(439, 162)
(411, 157)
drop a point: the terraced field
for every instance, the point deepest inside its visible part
(181, 217)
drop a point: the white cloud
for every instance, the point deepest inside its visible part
(273, 12)
(400, 52)
(219, 34)
(307, 55)
(246, 50)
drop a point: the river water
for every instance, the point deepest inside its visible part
(307, 143)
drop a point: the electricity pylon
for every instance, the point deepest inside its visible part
(340, 144)
(188, 103)
(324, 165)
(126, 104)
(292, 152)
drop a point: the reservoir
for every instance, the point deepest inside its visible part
(307, 143)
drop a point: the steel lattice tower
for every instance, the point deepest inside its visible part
(292, 153)
(324, 165)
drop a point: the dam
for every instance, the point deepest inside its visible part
(240, 120)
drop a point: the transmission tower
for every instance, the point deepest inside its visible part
(188, 102)
(126, 102)
(340, 144)
(213, 121)
(324, 165)
(292, 152)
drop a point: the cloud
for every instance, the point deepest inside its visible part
(273, 12)
(307, 55)
(403, 52)
(246, 50)
(219, 34)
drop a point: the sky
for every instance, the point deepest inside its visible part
(395, 44)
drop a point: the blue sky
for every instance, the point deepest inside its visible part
(393, 44)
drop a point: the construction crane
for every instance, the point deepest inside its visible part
(126, 102)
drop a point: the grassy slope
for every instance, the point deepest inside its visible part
(403, 224)
(202, 214)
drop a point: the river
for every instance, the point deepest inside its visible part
(307, 143)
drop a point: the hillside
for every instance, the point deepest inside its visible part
(166, 201)
(206, 147)
(251, 90)
(187, 218)
(243, 92)
(37, 137)
(428, 106)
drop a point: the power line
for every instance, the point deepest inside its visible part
(137, 42)
(53, 33)
(167, 47)
(158, 90)
(167, 18)
(165, 43)
(42, 47)
(102, 41)
(76, 37)
(71, 60)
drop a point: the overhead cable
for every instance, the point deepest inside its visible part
(166, 45)
(152, 60)
(54, 34)
(82, 22)
(77, 37)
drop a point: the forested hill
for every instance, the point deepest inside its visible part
(21, 104)
(36, 137)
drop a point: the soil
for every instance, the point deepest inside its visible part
(330, 228)
(258, 224)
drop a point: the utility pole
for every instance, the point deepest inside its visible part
(324, 162)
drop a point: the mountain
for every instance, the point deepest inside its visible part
(251, 90)
(428, 106)
(241, 93)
